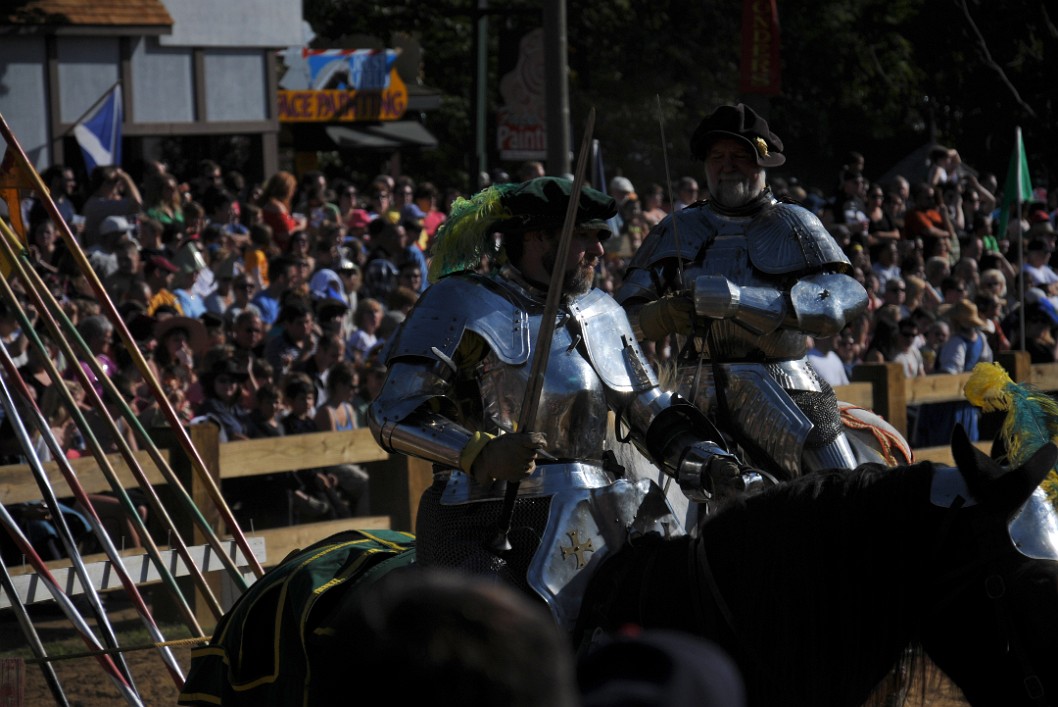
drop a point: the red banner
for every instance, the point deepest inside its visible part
(760, 71)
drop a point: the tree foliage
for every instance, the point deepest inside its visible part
(881, 77)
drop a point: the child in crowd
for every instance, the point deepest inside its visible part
(256, 255)
(312, 499)
(264, 417)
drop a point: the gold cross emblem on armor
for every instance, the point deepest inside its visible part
(577, 548)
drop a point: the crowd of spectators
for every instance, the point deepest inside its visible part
(264, 307)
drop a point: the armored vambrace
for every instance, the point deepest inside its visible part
(759, 309)
(819, 304)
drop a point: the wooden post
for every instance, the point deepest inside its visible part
(12, 682)
(888, 385)
(1018, 365)
(396, 486)
(206, 440)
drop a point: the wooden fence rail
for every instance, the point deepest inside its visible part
(396, 482)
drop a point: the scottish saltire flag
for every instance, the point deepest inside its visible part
(99, 132)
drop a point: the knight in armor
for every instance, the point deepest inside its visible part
(458, 370)
(741, 279)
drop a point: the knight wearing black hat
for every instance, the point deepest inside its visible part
(741, 280)
(458, 370)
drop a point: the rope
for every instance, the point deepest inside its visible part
(886, 441)
(175, 643)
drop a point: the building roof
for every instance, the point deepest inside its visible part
(98, 13)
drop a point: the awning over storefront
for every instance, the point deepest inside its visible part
(388, 135)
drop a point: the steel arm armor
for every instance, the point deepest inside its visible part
(820, 304)
(408, 415)
(679, 438)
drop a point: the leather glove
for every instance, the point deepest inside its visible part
(721, 476)
(671, 314)
(509, 457)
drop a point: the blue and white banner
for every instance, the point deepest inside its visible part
(99, 132)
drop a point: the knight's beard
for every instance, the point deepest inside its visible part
(578, 279)
(736, 191)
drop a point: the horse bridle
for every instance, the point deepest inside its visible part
(995, 590)
(991, 548)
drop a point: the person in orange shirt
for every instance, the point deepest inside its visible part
(924, 221)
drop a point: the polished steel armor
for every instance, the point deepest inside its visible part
(459, 367)
(1033, 528)
(761, 278)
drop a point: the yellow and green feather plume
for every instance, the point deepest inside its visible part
(466, 234)
(1031, 420)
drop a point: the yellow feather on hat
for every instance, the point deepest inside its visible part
(466, 235)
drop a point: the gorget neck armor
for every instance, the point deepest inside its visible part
(762, 200)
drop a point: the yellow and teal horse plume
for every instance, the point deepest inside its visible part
(1031, 420)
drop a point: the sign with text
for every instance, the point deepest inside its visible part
(341, 85)
(760, 70)
(521, 122)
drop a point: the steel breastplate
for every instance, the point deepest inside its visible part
(728, 255)
(572, 409)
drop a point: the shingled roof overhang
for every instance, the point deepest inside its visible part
(98, 17)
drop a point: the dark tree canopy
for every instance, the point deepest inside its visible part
(882, 77)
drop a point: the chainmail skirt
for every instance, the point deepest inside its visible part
(460, 537)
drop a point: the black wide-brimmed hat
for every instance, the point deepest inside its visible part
(743, 123)
(197, 335)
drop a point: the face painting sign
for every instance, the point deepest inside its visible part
(341, 85)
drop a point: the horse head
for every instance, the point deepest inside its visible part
(992, 620)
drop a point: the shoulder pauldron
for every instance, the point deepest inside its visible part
(680, 234)
(786, 238)
(455, 305)
(611, 346)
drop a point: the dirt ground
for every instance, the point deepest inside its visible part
(85, 684)
(82, 679)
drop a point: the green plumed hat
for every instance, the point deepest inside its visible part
(537, 205)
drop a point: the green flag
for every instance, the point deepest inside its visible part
(1018, 187)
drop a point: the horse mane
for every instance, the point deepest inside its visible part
(816, 572)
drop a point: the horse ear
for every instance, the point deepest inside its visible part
(988, 481)
(1015, 487)
(976, 467)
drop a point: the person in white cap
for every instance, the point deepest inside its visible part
(102, 255)
(190, 263)
(620, 189)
